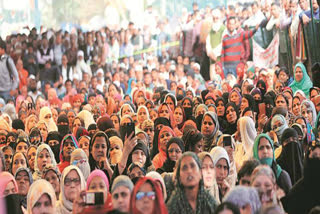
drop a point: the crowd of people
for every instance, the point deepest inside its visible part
(91, 124)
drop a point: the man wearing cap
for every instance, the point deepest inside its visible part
(32, 87)
(81, 66)
(121, 193)
(9, 79)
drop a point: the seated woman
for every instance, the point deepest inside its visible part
(190, 195)
(147, 198)
(263, 151)
(52, 175)
(44, 156)
(193, 140)
(210, 130)
(41, 198)
(18, 160)
(8, 184)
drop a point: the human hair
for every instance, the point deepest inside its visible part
(227, 206)
(263, 170)
(247, 168)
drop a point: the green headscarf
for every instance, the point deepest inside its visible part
(305, 83)
(267, 161)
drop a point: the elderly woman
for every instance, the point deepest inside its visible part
(121, 193)
(8, 184)
(190, 195)
(52, 175)
(41, 198)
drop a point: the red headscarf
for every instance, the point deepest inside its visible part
(165, 129)
(219, 64)
(159, 207)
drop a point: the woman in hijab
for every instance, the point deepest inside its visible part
(165, 111)
(8, 184)
(19, 159)
(43, 157)
(80, 159)
(245, 139)
(46, 115)
(63, 125)
(116, 149)
(52, 175)
(165, 134)
(263, 151)
(232, 116)
(43, 128)
(187, 105)
(31, 121)
(210, 130)
(158, 124)
(247, 101)
(221, 109)
(24, 180)
(68, 144)
(142, 115)
(296, 106)
(86, 117)
(209, 175)
(175, 148)
(54, 141)
(179, 116)
(193, 140)
(235, 97)
(171, 100)
(126, 108)
(70, 175)
(41, 192)
(147, 198)
(309, 112)
(190, 195)
(278, 125)
(302, 80)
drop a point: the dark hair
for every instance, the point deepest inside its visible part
(284, 96)
(247, 168)
(227, 206)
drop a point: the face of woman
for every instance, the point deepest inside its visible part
(264, 149)
(283, 77)
(72, 185)
(112, 90)
(163, 140)
(18, 161)
(174, 152)
(53, 179)
(281, 102)
(126, 110)
(43, 159)
(208, 172)
(139, 156)
(244, 104)
(208, 126)
(288, 95)
(116, 122)
(257, 97)
(231, 115)
(186, 104)
(198, 147)
(221, 169)
(8, 158)
(298, 74)
(170, 103)
(153, 115)
(164, 112)
(145, 198)
(32, 122)
(98, 185)
(178, 116)
(22, 147)
(190, 173)
(296, 107)
(76, 124)
(121, 199)
(43, 131)
(265, 185)
(9, 189)
(142, 115)
(235, 98)
(201, 110)
(303, 125)
(43, 205)
(23, 182)
(220, 109)
(31, 156)
(99, 148)
(84, 145)
(278, 87)
(307, 113)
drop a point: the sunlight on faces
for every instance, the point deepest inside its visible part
(307, 113)
(84, 145)
(281, 102)
(116, 122)
(170, 102)
(296, 106)
(235, 98)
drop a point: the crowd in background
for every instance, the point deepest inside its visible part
(163, 119)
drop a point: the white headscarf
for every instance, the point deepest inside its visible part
(309, 105)
(64, 205)
(84, 167)
(248, 133)
(50, 122)
(147, 112)
(37, 173)
(37, 189)
(87, 118)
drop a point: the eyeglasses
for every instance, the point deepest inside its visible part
(81, 161)
(68, 181)
(150, 195)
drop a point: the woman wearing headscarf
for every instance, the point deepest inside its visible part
(54, 141)
(24, 180)
(158, 124)
(200, 110)
(187, 105)
(165, 111)
(210, 130)
(41, 190)
(263, 151)
(43, 157)
(165, 134)
(131, 83)
(8, 184)
(209, 175)
(68, 144)
(302, 80)
(174, 150)
(235, 97)
(19, 159)
(158, 178)
(46, 115)
(232, 116)
(221, 109)
(142, 115)
(126, 108)
(309, 112)
(116, 149)
(247, 101)
(171, 100)
(53, 176)
(70, 175)
(245, 135)
(87, 118)
(80, 159)
(147, 198)
(179, 116)
(63, 125)
(31, 121)
(278, 125)
(291, 157)
(190, 195)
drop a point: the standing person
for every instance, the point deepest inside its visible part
(232, 44)
(9, 79)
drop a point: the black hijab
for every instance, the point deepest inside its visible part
(160, 120)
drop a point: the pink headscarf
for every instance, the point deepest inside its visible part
(99, 173)
(6, 178)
